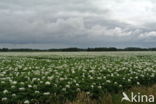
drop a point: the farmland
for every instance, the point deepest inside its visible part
(45, 77)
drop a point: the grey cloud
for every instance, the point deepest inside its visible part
(69, 23)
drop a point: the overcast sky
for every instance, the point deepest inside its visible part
(77, 23)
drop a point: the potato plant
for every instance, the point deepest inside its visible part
(44, 78)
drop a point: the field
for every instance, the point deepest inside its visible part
(49, 78)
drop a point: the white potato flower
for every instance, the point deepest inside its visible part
(46, 93)
(4, 99)
(5, 91)
(26, 102)
(47, 83)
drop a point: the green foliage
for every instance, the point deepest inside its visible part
(32, 79)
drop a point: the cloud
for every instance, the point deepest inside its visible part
(133, 12)
(77, 22)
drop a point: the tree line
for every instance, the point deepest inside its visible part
(74, 49)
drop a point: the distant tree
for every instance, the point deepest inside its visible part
(74, 49)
